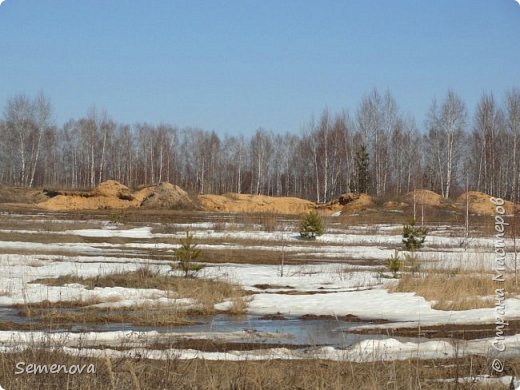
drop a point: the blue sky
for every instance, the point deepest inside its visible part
(234, 66)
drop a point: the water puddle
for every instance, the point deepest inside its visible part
(290, 330)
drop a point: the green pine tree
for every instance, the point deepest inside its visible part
(362, 177)
(414, 236)
(186, 255)
(311, 226)
(394, 264)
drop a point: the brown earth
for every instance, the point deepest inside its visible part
(479, 203)
(241, 203)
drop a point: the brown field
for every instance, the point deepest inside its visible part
(275, 374)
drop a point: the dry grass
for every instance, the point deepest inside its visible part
(205, 292)
(57, 305)
(455, 290)
(63, 314)
(142, 278)
(140, 315)
(273, 374)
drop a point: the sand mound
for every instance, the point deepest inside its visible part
(114, 195)
(240, 203)
(330, 208)
(347, 198)
(165, 196)
(425, 197)
(353, 201)
(348, 201)
(364, 201)
(78, 202)
(479, 203)
(113, 189)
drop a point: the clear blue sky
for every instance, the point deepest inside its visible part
(233, 66)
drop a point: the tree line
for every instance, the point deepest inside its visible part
(375, 149)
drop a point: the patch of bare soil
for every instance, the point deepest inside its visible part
(241, 203)
(479, 203)
(455, 331)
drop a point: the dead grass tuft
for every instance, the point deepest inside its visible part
(455, 291)
(119, 373)
(205, 292)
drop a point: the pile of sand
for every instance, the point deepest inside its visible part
(113, 189)
(79, 202)
(164, 196)
(353, 201)
(348, 201)
(240, 203)
(479, 203)
(425, 197)
(114, 195)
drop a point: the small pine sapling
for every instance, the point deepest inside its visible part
(186, 255)
(414, 236)
(413, 239)
(311, 226)
(394, 264)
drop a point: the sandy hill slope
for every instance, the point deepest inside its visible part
(353, 202)
(479, 203)
(241, 203)
(347, 202)
(114, 195)
(164, 196)
(425, 197)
